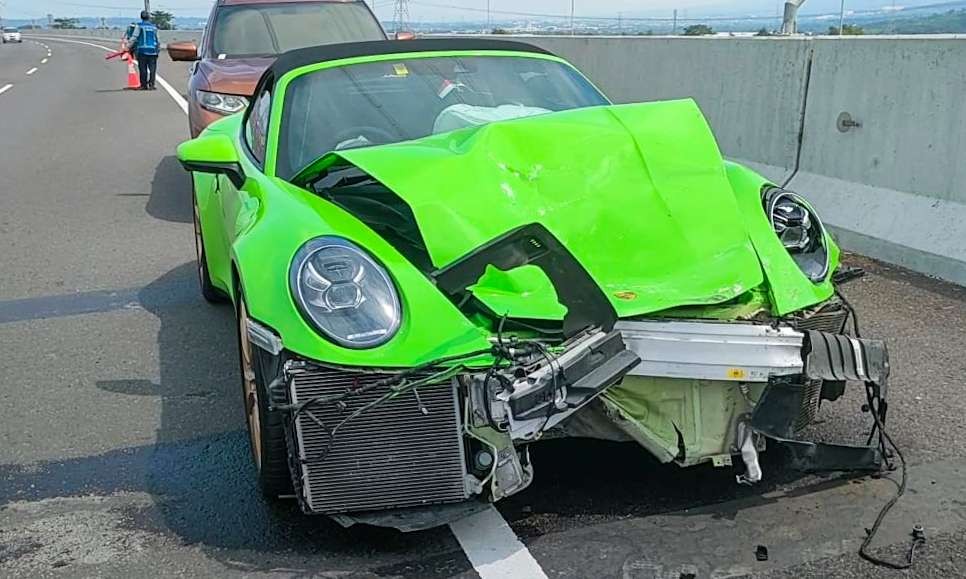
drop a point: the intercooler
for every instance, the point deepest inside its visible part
(811, 399)
(404, 452)
(831, 318)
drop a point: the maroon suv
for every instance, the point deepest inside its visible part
(243, 37)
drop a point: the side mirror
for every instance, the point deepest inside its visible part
(405, 35)
(213, 154)
(183, 51)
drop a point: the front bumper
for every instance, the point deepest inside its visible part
(717, 389)
(705, 391)
(735, 352)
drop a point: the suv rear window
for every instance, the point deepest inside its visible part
(271, 29)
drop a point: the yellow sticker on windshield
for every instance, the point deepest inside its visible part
(400, 69)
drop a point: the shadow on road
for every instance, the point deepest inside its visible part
(200, 472)
(584, 482)
(202, 480)
(170, 198)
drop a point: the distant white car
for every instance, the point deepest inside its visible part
(11, 35)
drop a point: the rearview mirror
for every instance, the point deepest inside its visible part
(405, 35)
(213, 154)
(183, 51)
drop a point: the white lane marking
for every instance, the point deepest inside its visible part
(181, 102)
(5, 88)
(31, 71)
(493, 548)
(486, 538)
(175, 96)
(44, 61)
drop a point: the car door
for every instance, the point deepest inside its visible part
(239, 206)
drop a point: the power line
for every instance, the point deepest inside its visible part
(400, 14)
(566, 17)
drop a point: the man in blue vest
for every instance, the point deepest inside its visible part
(145, 46)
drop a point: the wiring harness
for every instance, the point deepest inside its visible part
(877, 407)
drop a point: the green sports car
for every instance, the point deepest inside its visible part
(442, 251)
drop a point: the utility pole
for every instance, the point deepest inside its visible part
(572, 29)
(674, 23)
(147, 6)
(489, 25)
(620, 23)
(400, 14)
(790, 17)
(841, 17)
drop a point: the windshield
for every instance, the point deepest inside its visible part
(408, 98)
(10, 30)
(271, 29)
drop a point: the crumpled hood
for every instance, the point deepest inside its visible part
(638, 193)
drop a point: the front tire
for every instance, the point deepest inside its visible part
(266, 430)
(208, 289)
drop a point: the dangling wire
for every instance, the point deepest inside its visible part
(918, 537)
(874, 403)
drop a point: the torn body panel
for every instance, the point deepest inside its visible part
(688, 390)
(641, 184)
(689, 408)
(463, 435)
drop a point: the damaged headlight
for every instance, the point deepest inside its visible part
(800, 230)
(344, 293)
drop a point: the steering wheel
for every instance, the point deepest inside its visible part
(375, 136)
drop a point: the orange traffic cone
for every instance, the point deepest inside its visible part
(133, 80)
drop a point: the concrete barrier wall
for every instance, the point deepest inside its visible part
(750, 89)
(893, 188)
(115, 35)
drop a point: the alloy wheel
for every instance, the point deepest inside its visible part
(249, 386)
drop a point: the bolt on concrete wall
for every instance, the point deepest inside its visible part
(893, 187)
(909, 96)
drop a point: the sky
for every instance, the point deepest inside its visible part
(422, 10)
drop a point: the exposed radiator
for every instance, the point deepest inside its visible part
(830, 318)
(392, 456)
(810, 404)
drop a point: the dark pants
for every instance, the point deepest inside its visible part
(148, 69)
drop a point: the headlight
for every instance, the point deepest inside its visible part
(344, 293)
(225, 104)
(800, 230)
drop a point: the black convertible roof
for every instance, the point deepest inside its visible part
(304, 56)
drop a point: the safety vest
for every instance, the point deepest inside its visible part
(148, 39)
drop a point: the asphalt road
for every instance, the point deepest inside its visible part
(123, 451)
